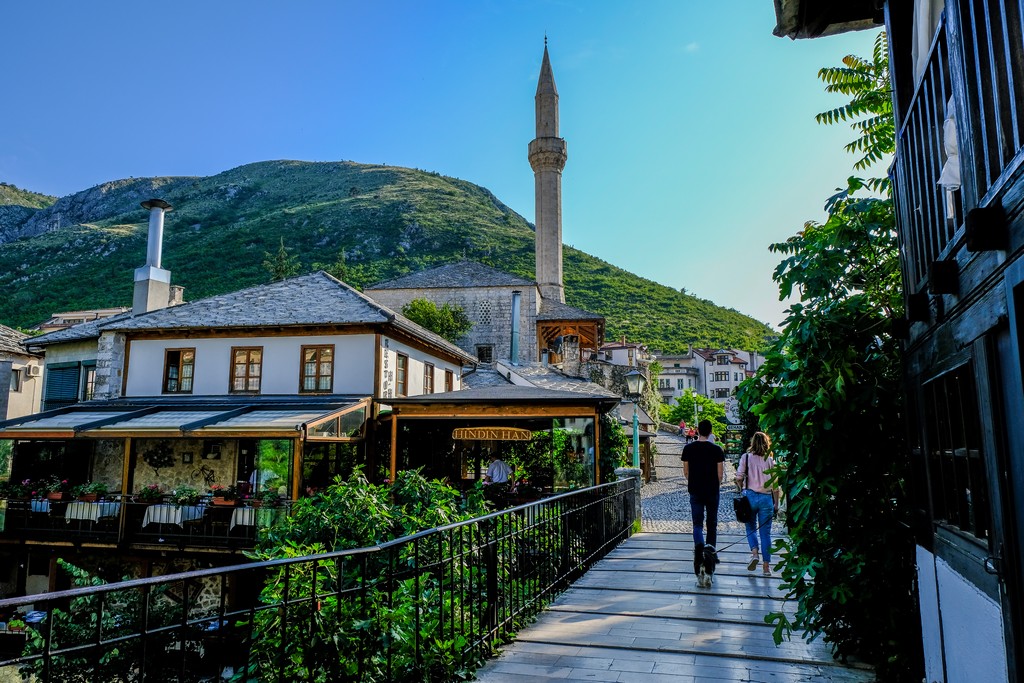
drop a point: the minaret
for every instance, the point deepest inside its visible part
(547, 157)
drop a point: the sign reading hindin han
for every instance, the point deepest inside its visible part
(492, 434)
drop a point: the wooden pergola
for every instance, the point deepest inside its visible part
(494, 408)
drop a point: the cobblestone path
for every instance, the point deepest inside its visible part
(666, 505)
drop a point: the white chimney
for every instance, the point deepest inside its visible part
(153, 283)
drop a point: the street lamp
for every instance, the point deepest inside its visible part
(635, 382)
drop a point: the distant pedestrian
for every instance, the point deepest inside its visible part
(703, 467)
(752, 479)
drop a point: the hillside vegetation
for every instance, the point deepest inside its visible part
(80, 251)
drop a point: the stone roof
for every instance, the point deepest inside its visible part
(556, 310)
(10, 341)
(484, 377)
(547, 377)
(313, 299)
(453, 276)
(79, 332)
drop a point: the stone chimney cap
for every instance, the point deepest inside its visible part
(158, 204)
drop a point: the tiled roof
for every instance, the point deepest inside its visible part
(455, 275)
(10, 341)
(556, 310)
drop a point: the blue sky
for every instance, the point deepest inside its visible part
(690, 128)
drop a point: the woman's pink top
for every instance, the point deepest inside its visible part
(753, 466)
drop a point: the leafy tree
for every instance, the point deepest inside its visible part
(280, 265)
(614, 443)
(448, 321)
(338, 269)
(684, 409)
(830, 396)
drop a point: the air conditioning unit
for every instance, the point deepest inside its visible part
(33, 370)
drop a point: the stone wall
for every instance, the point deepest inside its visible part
(110, 355)
(490, 311)
(108, 464)
(224, 469)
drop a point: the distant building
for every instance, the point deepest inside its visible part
(625, 353)
(59, 321)
(711, 372)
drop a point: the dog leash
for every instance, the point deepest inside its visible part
(756, 529)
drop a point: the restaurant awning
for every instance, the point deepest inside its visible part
(195, 417)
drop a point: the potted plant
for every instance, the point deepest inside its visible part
(16, 490)
(265, 498)
(90, 491)
(53, 487)
(150, 494)
(185, 495)
(15, 625)
(223, 495)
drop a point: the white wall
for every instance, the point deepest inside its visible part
(388, 353)
(963, 620)
(928, 597)
(353, 366)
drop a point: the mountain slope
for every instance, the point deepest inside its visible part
(80, 251)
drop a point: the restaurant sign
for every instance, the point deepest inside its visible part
(492, 434)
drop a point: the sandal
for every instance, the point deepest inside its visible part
(752, 565)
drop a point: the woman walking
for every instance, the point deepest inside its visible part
(752, 480)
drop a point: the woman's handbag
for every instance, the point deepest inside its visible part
(741, 504)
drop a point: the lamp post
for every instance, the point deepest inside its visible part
(635, 382)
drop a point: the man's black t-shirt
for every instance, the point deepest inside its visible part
(703, 457)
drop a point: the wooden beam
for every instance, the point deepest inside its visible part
(296, 467)
(449, 411)
(127, 481)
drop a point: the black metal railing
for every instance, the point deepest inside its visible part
(425, 607)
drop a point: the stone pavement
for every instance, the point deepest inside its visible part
(638, 615)
(666, 506)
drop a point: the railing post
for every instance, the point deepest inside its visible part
(491, 563)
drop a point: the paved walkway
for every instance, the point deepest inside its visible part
(638, 615)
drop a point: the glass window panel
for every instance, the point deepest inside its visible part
(352, 423)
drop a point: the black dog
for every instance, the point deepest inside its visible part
(704, 560)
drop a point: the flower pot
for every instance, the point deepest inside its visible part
(89, 497)
(220, 500)
(55, 495)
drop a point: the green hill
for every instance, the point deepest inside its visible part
(80, 251)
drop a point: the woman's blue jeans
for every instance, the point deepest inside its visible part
(764, 509)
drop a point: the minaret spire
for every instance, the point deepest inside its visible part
(547, 157)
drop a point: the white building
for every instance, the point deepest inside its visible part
(715, 373)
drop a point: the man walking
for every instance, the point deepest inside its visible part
(703, 469)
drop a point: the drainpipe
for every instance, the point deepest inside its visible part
(514, 343)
